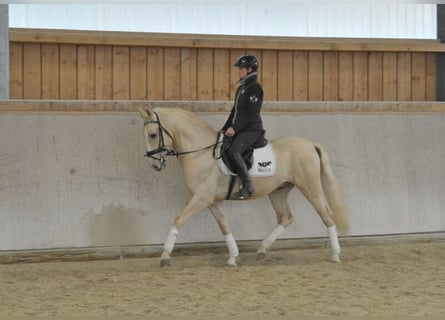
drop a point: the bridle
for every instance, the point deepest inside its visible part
(163, 151)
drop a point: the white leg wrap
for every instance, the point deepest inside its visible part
(231, 245)
(171, 239)
(276, 232)
(335, 246)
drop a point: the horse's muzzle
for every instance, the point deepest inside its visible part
(160, 166)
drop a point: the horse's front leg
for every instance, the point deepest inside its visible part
(220, 218)
(195, 205)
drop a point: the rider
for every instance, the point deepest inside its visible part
(244, 125)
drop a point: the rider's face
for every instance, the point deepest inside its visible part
(242, 72)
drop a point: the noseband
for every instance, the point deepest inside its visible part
(163, 151)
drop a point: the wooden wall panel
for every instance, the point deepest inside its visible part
(224, 78)
(68, 72)
(172, 76)
(300, 75)
(389, 76)
(103, 73)
(346, 76)
(221, 74)
(188, 73)
(16, 71)
(205, 74)
(32, 73)
(138, 73)
(269, 74)
(403, 76)
(285, 69)
(431, 60)
(330, 76)
(155, 74)
(44, 66)
(85, 72)
(315, 75)
(418, 78)
(375, 76)
(50, 71)
(121, 73)
(360, 76)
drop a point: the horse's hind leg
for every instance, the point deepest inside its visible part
(278, 199)
(320, 204)
(220, 218)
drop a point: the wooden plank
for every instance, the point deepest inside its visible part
(155, 73)
(389, 76)
(104, 71)
(404, 76)
(269, 74)
(345, 76)
(138, 74)
(50, 71)
(32, 71)
(285, 76)
(85, 73)
(188, 74)
(375, 78)
(222, 74)
(360, 76)
(172, 74)
(16, 70)
(121, 73)
(431, 61)
(205, 74)
(330, 76)
(172, 40)
(418, 78)
(315, 81)
(300, 75)
(68, 71)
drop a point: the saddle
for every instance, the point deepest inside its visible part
(259, 158)
(247, 155)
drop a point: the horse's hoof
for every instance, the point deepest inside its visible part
(165, 263)
(261, 255)
(232, 262)
(336, 258)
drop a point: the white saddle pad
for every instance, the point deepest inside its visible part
(264, 163)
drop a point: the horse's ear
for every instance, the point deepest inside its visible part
(145, 113)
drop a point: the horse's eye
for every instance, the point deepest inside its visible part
(153, 135)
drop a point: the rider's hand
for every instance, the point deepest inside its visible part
(230, 132)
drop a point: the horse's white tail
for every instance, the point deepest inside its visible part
(332, 191)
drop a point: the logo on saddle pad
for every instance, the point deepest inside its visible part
(263, 163)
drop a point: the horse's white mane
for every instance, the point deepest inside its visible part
(182, 117)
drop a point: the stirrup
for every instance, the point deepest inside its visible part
(244, 194)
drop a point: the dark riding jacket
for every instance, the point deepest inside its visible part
(246, 111)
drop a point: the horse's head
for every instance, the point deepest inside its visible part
(158, 140)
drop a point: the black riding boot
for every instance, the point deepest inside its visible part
(246, 187)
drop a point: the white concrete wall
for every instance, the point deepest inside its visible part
(80, 179)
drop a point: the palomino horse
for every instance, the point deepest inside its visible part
(300, 163)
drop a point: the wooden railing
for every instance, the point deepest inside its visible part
(93, 65)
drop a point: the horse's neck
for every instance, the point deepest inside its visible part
(190, 133)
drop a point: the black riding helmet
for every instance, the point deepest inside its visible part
(247, 61)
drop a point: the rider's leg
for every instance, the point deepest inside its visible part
(241, 143)
(246, 188)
